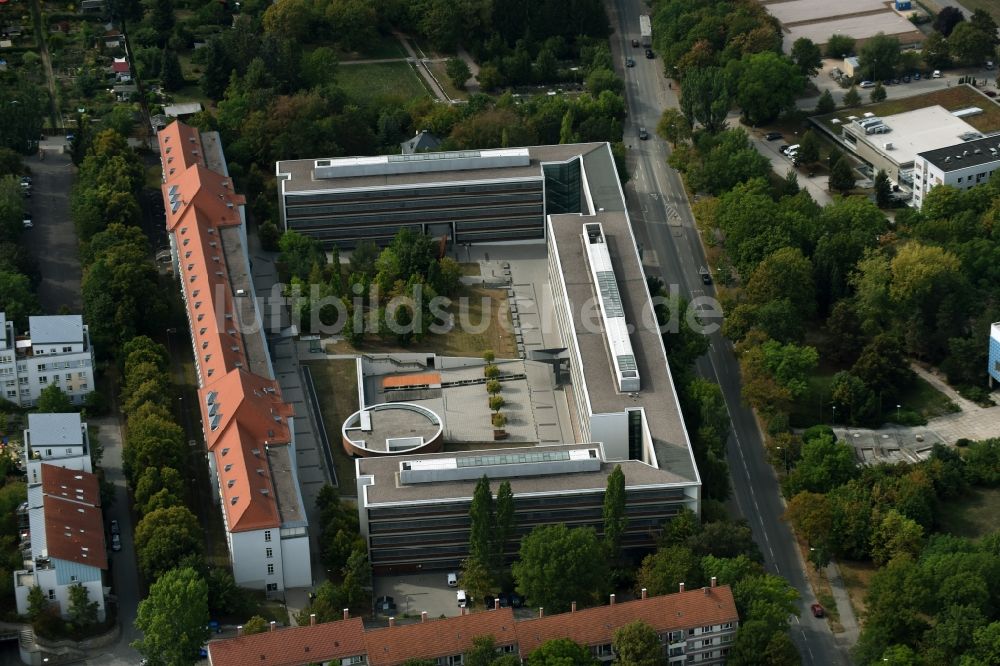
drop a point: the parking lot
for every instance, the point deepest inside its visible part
(414, 593)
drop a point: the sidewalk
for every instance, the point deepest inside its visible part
(848, 620)
(421, 67)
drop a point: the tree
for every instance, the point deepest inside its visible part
(52, 400)
(483, 652)
(82, 611)
(852, 98)
(152, 440)
(878, 93)
(839, 46)
(826, 103)
(970, 45)
(705, 98)
(842, 176)
(983, 21)
(879, 57)
(768, 84)
(947, 19)
(476, 578)
(810, 514)
(662, 572)
(894, 536)
(154, 482)
(161, 19)
(503, 528)
(17, 299)
(164, 537)
(255, 625)
(825, 464)
(559, 565)
(883, 189)
(809, 148)
(482, 522)
(637, 644)
(807, 56)
(458, 72)
(937, 51)
(673, 126)
(299, 253)
(173, 619)
(171, 75)
(561, 652)
(614, 512)
(724, 538)
(38, 603)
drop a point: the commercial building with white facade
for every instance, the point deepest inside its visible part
(56, 350)
(962, 165)
(62, 536)
(994, 366)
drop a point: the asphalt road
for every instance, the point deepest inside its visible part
(53, 238)
(665, 228)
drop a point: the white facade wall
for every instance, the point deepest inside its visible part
(257, 559)
(58, 594)
(23, 377)
(926, 176)
(296, 563)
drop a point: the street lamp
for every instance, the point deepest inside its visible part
(835, 415)
(784, 456)
(897, 412)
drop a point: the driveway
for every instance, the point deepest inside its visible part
(817, 186)
(53, 238)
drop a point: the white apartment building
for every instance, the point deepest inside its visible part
(962, 165)
(56, 439)
(56, 350)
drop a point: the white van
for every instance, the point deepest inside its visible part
(453, 580)
(463, 600)
(791, 150)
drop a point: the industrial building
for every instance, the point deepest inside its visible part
(56, 350)
(248, 427)
(694, 626)
(818, 20)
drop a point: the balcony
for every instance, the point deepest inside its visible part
(24, 578)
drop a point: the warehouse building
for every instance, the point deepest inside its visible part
(818, 20)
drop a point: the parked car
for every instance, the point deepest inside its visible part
(453, 580)
(916, 76)
(385, 605)
(114, 527)
(790, 150)
(817, 610)
(989, 64)
(504, 599)
(116, 542)
(643, 134)
(936, 74)
(649, 54)
(635, 43)
(906, 78)
(867, 84)
(989, 93)
(706, 275)
(516, 600)
(463, 599)
(28, 224)
(783, 148)
(489, 602)
(772, 136)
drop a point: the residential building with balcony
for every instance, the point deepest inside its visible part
(56, 350)
(248, 427)
(64, 540)
(56, 439)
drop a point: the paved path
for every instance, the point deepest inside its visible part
(472, 85)
(43, 48)
(941, 385)
(422, 68)
(848, 620)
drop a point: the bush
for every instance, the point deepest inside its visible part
(976, 394)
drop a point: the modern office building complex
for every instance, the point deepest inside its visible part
(470, 196)
(62, 537)
(56, 351)
(248, 427)
(695, 626)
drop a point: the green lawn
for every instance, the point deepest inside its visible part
(991, 6)
(386, 46)
(439, 69)
(336, 385)
(380, 80)
(815, 407)
(973, 515)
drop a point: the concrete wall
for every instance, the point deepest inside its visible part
(612, 431)
(297, 566)
(250, 560)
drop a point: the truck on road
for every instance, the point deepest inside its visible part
(646, 30)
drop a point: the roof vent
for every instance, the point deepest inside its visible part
(265, 491)
(234, 500)
(256, 452)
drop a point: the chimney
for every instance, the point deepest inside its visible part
(392, 621)
(347, 613)
(239, 630)
(541, 612)
(715, 581)
(312, 619)
(705, 590)
(423, 616)
(496, 604)
(644, 593)
(612, 599)
(572, 607)
(273, 625)
(682, 587)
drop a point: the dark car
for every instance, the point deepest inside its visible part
(385, 605)
(906, 79)
(630, 62)
(504, 599)
(817, 610)
(643, 134)
(772, 136)
(489, 602)
(116, 542)
(635, 43)
(706, 276)
(989, 93)
(895, 82)
(516, 600)
(783, 148)
(916, 76)
(650, 54)
(114, 527)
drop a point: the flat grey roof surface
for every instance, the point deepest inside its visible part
(254, 345)
(394, 423)
(283, 478)
(914, 132)
(937, 157)
(301, 171)
(51, 329)
(657, 396)
(55, 429)
(387, 488)
(795, 11)
(859, 27)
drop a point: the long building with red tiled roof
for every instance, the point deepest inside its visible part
(66, 535)
(248, 427)
(694, 626)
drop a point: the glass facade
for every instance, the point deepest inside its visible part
(563, 187)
